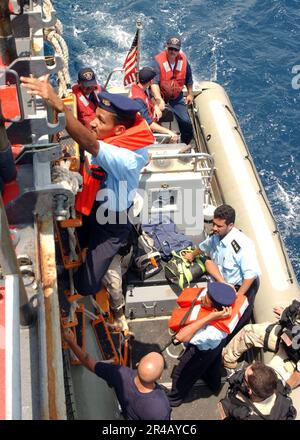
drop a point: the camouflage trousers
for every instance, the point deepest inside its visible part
(252, 335)
(112, 280)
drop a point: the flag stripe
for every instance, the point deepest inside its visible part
(130, 63)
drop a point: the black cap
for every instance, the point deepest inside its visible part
(117, 104)
(221, 294)
(87, 77)
(146, 74)
(174, 42)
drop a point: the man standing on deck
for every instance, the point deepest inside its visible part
(140, 397)
(173, 73)
(86, 91)
(234, 254)
(149, 110)
(116, 167)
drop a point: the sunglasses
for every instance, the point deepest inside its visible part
(245, 380)
(173, 49)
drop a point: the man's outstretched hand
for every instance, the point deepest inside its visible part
(42, 88)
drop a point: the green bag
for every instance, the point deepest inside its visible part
(181, 272)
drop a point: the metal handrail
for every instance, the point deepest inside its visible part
(13, 394)
(197, 156)
(161, 137)
(19, 95)
(9, 265)
(18, 310)
(111, 74)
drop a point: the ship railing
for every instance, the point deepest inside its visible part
(119, 70)
(204, 163)
(17, 310)
(161, 138)
(13, 396)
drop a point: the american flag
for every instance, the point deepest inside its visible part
(130, 63)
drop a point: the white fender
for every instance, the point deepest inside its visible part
(242, 189)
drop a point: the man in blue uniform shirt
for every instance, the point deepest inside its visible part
(115, 114)
(234, 254)
(202, 357)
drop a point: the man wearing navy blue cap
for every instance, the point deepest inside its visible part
(85, 91)
(234, 254)
(149, 109)
(202, 357)
(121, 157)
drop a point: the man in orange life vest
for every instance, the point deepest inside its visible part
(117, 159)
(86, 91)
(173, 73)
(202, 356)
(149, 110)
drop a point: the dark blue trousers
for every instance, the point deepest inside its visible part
(245, 319)
(193, 365)
(103, 242)
(184, 122)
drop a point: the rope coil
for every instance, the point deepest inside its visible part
(53, 35)
(61, 174)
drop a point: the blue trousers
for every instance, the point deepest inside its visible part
(184, 122)
(245, 319)
(103, 242)
(193, 365)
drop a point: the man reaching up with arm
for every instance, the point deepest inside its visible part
(140, 397)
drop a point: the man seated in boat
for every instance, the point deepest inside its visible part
(149, 109)
(255, 393)
(234, 254)
(204, 337)
(281, 337)
(117, 146)
(138, 393)
(173, 72)
(86, 91)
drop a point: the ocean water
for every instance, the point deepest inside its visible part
(250, 47)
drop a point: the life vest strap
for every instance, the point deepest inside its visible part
(94, 171)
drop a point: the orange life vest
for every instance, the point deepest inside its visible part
(172, 81)
(86, 109)
(186, 298)
(92, 178)
(138, 93)
(134, 138)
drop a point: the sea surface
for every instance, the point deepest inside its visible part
(250, 47)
